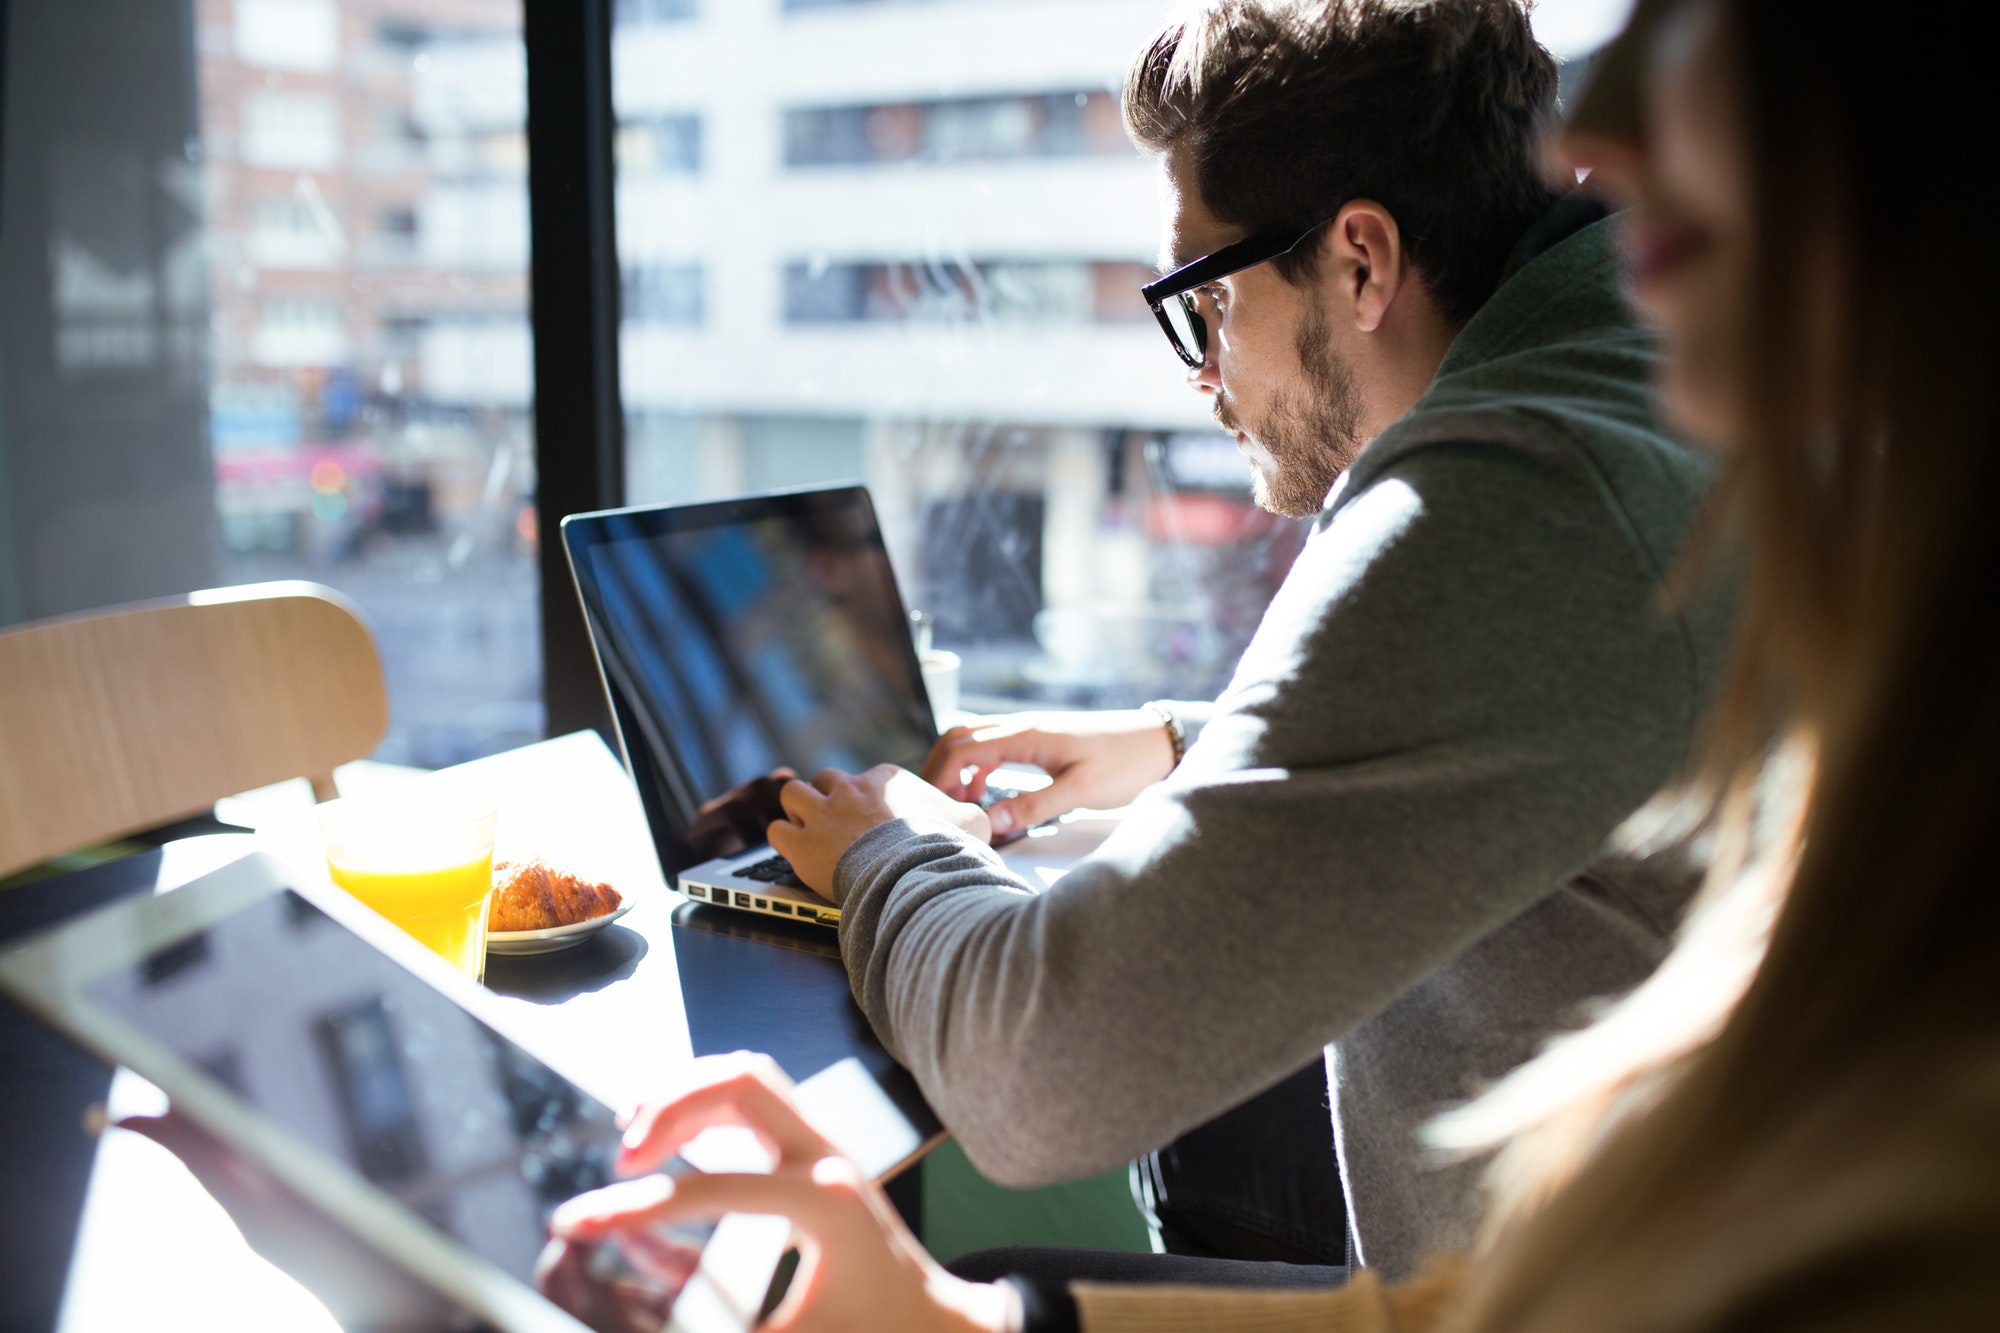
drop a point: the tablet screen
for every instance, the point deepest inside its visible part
(310, 1025)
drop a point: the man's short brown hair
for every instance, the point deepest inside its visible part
(1287, 110)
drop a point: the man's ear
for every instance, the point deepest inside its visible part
(1363, 257)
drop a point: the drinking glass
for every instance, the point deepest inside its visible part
(423, 858)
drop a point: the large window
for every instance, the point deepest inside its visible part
(267, 317)
(364, 217)
(265, 268)
(922, 233)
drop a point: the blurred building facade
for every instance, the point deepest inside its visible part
(357, 225)
(911, 238)
(897, 241)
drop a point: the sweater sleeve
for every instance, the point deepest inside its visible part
(1465, 681)
(1364, 1305)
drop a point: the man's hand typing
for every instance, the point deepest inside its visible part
(823, 818)
(1096, 760)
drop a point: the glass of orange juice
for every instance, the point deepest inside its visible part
(423, 858)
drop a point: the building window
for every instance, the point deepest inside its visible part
(669, 294)
(1031, 291)
(666, 144)
(296, 231)
(397, 220)
(288, 34)
(282, 128)
(1066, 123)
(297, 332)
(653, 11)
(848, 4)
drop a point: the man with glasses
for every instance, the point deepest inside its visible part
(1383, 856)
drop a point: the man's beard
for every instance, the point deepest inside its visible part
(1310, 434)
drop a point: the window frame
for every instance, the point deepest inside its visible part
(574, 318)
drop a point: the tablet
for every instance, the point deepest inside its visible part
(327, 1047)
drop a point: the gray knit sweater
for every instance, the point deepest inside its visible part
(1388, 841)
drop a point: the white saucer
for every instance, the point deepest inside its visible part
(552, 940)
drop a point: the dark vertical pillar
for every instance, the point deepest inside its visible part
(579, 420)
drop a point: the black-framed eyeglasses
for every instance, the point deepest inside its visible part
(1171, 298)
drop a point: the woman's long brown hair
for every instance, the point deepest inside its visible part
(1866, 507)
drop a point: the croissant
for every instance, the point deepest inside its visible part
(534, 895)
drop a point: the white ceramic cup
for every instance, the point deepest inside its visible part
(941, 683)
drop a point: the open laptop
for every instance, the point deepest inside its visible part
(737, 638)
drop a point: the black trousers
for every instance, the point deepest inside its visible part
(1259, 1182)
(1250, 1199)
(1048, 1266)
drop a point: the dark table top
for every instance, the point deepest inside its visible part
(669, 980)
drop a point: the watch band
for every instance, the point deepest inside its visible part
(1176, 734)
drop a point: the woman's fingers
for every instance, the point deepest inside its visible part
(619, 1206)
(660, 1260)
(818, 1197)
(746, 1090)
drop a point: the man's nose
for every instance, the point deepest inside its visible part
(1207, 377)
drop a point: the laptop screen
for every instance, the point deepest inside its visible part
(744, 636)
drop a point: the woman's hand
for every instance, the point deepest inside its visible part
(1096, 760)
(859, 1266)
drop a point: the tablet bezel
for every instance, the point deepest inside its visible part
(51, 974)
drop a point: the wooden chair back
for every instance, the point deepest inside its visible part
(120, 720)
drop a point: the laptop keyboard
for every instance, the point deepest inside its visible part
(773, 870)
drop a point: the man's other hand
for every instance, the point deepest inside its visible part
(1095, 760)
(823, 819)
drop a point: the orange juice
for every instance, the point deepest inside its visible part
(421, 856)
(442, 907)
